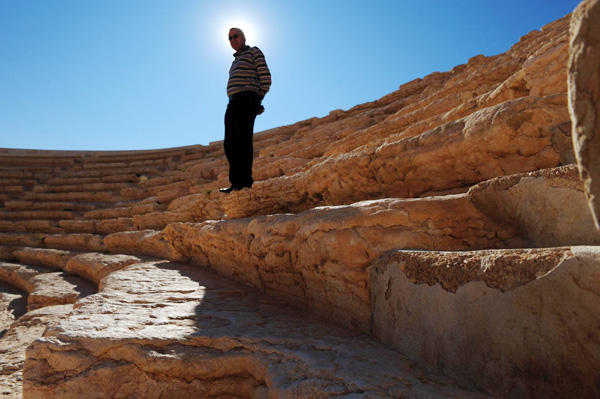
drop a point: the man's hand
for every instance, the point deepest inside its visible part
(261, 110)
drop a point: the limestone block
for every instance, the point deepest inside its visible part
(109, 226)
(160, 329)
(584, 95)
(22, 239)
(94, 266)
(108, 213)
(57, 288)
(77, 242)
(512, 137)
(546, 70)
(191, 208)
(516, 323)
(49, 258)
(18, 337)
(549, 205)
(320, 258)
(145, 242)
(29, 226)
(45, 288)
(79, 226)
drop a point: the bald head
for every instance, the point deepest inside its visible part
(237, 39)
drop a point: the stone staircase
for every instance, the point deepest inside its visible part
(434, 243)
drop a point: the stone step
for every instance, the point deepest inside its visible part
(93, 186)
(30, 226)
(21, 239)
(24, 173)
(174, 177)
(21, 333)
(540, 209)
(52, 206)
(322, 256)
(125, 211)
(108, 175)
(48, 258)
(45, 288)
(491, 312)
(115, 178)
(17, 189)
(18, 182)
(83, 196)
(435, 161)
(36, 161)
(208, 337)
(38, 215)
(90, 266)
(76, 241)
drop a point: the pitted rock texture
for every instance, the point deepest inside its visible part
(15, 341)
(165, 330)
(584, 94)
(549, 206)
(462, 324)
(321, 257)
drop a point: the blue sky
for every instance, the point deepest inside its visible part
(146, 74)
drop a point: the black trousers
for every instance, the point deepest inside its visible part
(239, 128)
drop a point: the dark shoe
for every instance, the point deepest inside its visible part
(232, 188)
(228, 190)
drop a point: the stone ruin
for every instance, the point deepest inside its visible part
(439, 242)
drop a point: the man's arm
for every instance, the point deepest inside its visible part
(264, 75)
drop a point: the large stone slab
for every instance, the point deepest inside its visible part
(520, 323)
(549, 206)
(584, 95)
(15, 341)
(45, 288)
(165, 330)
(320, 258)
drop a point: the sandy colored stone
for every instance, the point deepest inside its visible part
(22, 239)
(108, 226)
(49, 258)
(535, 340)
(45, 288)
(584, 95)
(78, 226)
(13, 304)
(160, 329)
(94, 266)
(548, 205)
(28, 226)
(146, 242)
(320, 258)
(77, 242)
(15, 341)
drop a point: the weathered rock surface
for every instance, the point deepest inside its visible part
(160, 329)
(548, 206)
(584, 93)
(45, 288)
(13, 344)
(486, 316)
(321, 257)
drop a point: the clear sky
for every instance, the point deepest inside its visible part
(146, 74)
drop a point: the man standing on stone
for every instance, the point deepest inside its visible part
(249, 81)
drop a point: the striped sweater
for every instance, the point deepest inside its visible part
(249, 72)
